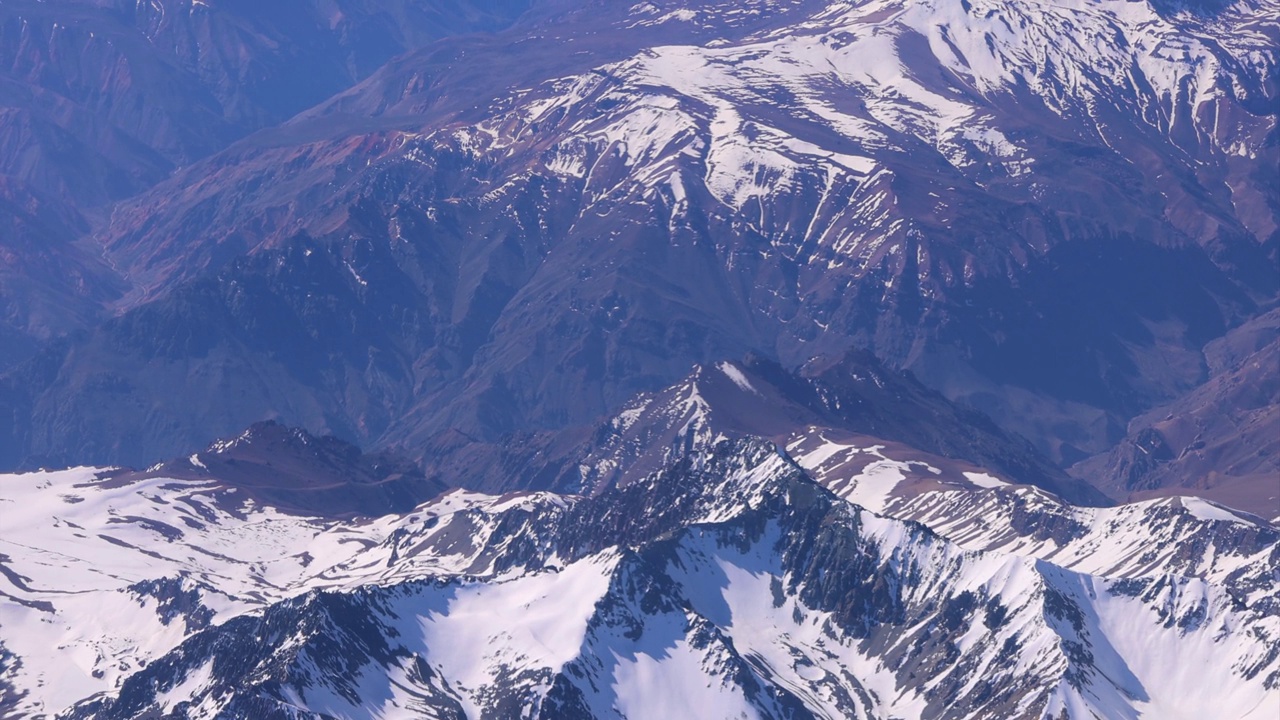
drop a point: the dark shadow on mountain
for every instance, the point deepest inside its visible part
(1204, 8)
(296, 472)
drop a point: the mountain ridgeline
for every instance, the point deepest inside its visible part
(879, 359)
(538, 211)
(727, 583)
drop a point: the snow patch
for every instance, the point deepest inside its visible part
(983, 480)
(737, 376)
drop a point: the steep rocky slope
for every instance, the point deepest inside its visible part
(856, 397)
(102, 100)
(727, 575)
(644, 359)
(1220, 441)
(1045, 211)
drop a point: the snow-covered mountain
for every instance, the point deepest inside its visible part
(727, 584)
(1047, 210)
(691, 358)
(855, 396)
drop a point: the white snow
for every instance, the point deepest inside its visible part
(733, 373)
(864, 476)
(984, 480)
(1206, 510)
(804, 120)
(1176, 650)
(673, 683)
(81, 539)
(482, 631)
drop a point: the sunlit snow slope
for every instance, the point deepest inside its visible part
(727, 584)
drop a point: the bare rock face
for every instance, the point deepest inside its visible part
(499, 236)
(728, 576)
(676, 358)
(855, 397)
(1220, 441)
(294, 471)
(102, 100)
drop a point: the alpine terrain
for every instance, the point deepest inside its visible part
(883, 359)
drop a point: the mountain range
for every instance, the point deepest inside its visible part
(730, 582)
(780, 358)
(493, 219)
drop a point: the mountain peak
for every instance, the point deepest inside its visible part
(640, 359)
(292, 470)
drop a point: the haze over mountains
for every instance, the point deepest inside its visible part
(1046, 212)
(972, 305)
(103, 100)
